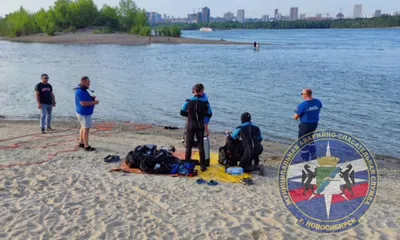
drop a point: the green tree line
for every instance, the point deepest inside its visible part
(378, 22)
(173, 31)
(69, 15)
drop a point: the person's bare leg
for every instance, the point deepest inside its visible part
(81, 136)
(86, 137)
(207, 133)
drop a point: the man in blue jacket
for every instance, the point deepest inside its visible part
(84, 110)
(308, 114)
(196, 109)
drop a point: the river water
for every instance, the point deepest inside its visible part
(355, 73)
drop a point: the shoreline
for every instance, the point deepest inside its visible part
(114, 38)
(273, 148)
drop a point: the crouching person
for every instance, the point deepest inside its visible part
(251, 137)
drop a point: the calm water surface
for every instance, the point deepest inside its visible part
(355, 73)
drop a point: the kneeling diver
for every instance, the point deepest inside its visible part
(251, 137)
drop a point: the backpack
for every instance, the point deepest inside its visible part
(222, 156)
(164, 162)
(150, 160)
(231, 153)
(139, 156)
(187, 169)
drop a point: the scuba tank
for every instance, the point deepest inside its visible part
(207, 149)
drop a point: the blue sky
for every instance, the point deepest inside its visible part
(253, 8)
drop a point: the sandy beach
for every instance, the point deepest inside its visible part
(88, 37)
(51, 190)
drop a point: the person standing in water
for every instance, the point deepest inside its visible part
(308, 114)
(46, 101)
(196, 109)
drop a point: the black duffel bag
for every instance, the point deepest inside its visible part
(150, 160)
(137, 157)
(231, 153)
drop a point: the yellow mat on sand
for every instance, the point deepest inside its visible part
(217, 172)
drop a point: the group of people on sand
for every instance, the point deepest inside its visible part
(198, 111)
(84, 103)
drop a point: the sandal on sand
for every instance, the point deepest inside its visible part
(248, 181)
(111, 159)
(200, 181)
(212, 183)
(90, 149)
(81, 145)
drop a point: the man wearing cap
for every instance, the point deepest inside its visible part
(84, 111)
(251, 137)
(196, 109)
(46, 101)
(308, 114)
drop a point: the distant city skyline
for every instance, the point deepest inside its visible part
(253, 8)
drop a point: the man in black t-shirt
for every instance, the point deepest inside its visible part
(46, 101)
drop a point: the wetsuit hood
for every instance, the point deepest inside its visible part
(246, 117)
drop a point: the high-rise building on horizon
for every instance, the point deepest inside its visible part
(206, 15)
(302, 16)
(229, 16)
(192, 17)
(357, 11)
(240, 15)
(276, 13)
(294, 13)
(199, 17)
(265, 18)
(378, 13)
(154, 18)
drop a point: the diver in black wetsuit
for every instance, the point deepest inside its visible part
(196, 109)
(251, 137)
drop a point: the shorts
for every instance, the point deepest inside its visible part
(85, 120)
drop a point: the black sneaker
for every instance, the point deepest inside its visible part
(90, 149)
(42, 130)
(81, 145)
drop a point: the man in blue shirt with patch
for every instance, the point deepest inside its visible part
(308, 114)
(251, 137)
(84, 110)
(196, 109)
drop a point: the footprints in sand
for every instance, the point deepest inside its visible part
(75, 197)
